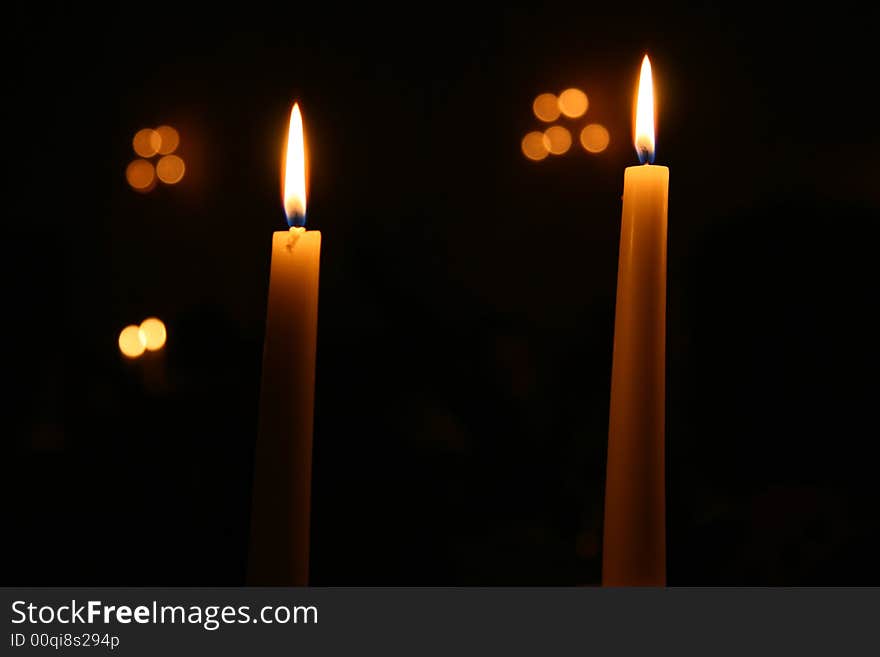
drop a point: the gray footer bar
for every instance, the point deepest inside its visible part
(439, 621)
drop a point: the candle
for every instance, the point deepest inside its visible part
(634, 550)
(279, 548)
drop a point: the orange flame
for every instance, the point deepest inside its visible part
(295, 171)
(644, 128)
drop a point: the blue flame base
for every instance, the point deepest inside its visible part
(296, 221)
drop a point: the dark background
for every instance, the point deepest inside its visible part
(467, 294)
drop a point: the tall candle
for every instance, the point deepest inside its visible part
(634, 550)
(279, 547)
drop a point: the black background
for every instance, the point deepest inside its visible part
(467, 294)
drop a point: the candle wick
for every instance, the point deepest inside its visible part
(293, 236)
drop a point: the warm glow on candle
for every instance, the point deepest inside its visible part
(281, 510)
(295, 171)
(634, 525)
(644, 129)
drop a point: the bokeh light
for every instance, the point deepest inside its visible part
(595, 138)
(546, 107)
(153, 333)
(533, 146)
(573, 103)
(131, 342)
(140, 175)
(169, 139)
(170, 169)
(146, 142)
(557, 139)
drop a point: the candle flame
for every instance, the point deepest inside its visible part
(644, 128)
(295, 171)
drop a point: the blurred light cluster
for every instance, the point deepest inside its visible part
(556, 139)
(142, 175)
(149, 336)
